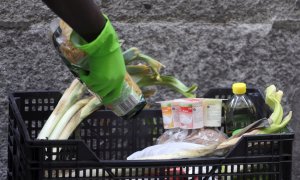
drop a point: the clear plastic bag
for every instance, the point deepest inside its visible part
(173, 135)
(204, 136)
(173, 150)
(182, 143)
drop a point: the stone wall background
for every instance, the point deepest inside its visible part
(210, 42)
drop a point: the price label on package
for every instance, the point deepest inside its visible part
(198, 116)
(213, 112)
(191, 114)
(166, 108)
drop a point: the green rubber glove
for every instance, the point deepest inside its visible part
(106, 64)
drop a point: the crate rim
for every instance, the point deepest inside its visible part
(164, 162)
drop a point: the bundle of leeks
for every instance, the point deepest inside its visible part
(73, 107)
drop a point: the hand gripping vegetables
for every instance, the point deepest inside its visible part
(69, 112)
(106, 64)
(100, 66)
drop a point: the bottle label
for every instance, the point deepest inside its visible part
(125, 105)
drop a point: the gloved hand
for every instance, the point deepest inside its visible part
(106, 63)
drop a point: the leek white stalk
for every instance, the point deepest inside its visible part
(89, 108)
(66, 118)
(70, 96)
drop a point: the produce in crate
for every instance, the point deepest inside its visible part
(273, 124)
(69, 98)
(67, 116)
(89, 108)
(282, 143)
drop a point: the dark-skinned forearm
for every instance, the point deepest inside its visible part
(82, 15)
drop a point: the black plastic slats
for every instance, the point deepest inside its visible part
(100, 145)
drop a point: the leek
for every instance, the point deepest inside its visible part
(66, 118)
(89, 108)
(71, 95)
(169, 82)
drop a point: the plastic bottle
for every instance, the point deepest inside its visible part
(240, 110)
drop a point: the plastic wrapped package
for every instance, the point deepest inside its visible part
(206, 136)
(170, 113)
(191, 139)
(173, 135)
(173, 150)
(191, 113)
(182, 143)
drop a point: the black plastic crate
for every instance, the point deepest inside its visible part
(100, 145)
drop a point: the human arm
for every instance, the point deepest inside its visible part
(94, 35)
(82, 15)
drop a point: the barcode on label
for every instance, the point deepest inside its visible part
(128, 104)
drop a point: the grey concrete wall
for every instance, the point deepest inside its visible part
(210, 42)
